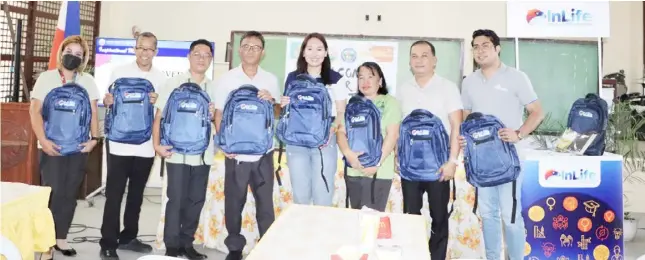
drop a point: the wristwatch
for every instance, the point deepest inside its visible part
(519, 135)
(96, 138)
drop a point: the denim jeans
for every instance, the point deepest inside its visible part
(305, 168)
(491, 202)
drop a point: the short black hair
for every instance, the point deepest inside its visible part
(376, 71)
(434, 52)
(255, 34)
(492, 36)
(201, 41)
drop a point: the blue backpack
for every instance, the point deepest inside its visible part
(247, 123)
(129, 120)
(587, 115)
(308, 117)
(306, 120)
(363, 127)
(423, 146)
(67, 114)
(185, 123)
(489, 161)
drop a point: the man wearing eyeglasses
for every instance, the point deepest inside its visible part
(504, 92)
(187, 175)
(129, 162)
(244, 170)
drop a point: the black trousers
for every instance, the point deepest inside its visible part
(64, 174)
(438, 199)
(122, 170)
(186, 195)
(359, 190)
(237, 178)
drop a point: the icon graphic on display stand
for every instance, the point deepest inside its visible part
(538, 232)
(562, 258)
(566, 240)
(618, 232)
(536, 213)
(580, 257)
(584, 224)
(591, 207)
(560, 222)
(550, 201)
(617, 255)
(602, 233)
(584, 242)
(609, 216)
(548, 248)
(570, 203)
(601, 252)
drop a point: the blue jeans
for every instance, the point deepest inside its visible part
(305, 168)
(491, 202)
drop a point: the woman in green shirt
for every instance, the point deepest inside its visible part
(372, 85)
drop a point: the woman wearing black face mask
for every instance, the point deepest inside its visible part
(63, 173)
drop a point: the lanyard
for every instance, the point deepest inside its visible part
(62, 77)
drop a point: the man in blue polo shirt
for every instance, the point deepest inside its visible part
(504, 92)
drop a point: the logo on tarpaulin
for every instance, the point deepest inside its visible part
(569, 174)
(348, 55)
(558, 16)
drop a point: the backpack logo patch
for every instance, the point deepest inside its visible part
(66, 103)
(358, 119)
(248, 107)
(481, 134)
(305, 98)
(416, 132)
(585, 114)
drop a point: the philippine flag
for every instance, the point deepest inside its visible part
(69, 23)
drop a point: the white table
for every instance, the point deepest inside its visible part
(314, 232)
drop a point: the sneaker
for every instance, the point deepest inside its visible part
(108, 254)
(234, 255)
(137, 246)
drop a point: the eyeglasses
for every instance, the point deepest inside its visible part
(483, 47)
(144, 49)
(198, 55)
(254, 48)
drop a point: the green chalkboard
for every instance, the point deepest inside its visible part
(561, 72)
(449, 54)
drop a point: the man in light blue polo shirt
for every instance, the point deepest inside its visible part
(504, 92)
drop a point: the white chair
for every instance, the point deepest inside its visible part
(158, 257)
(8, 249)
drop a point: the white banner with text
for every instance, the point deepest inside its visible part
(548, 19)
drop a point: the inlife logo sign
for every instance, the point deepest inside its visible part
(188, 105)
(248, 107)
(481, 134)
(132, 95)
(305, 98)
(569, 172)
(585, 114)
(416, 132)
(66, 103)
(358, 119)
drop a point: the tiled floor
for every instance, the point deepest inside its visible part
(92, 217)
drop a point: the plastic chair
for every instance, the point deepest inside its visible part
(8, 249)
(158, 257)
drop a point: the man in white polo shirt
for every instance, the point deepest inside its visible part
(129, 162)
(441, 97)
(244, 170)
